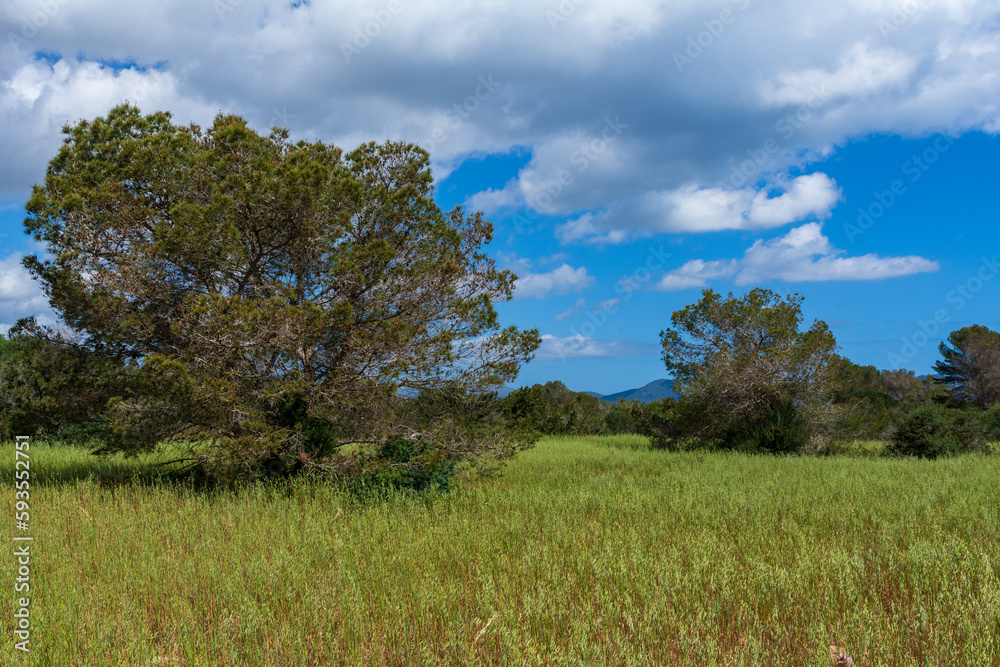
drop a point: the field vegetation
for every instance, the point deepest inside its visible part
(586, 550)
(266, 430)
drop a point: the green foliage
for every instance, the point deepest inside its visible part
(456, 404)
(267, 296)
(863, 416)
(319, 436)
(619, 419)
(970, 366)
(991, 423)
(745, 371)
(553, 409)
(675, 424)
(51, 386)
(932, 430)
(531, 408)
(873, 396)
(909, 390)
(655, 421)
(404, 463)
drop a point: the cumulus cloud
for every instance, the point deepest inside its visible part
(20, 295)
(694, 209)
(620, 142)
(802, 255)
(562, 280)
(570, 347)
(863, 70)
(696, 273)
(39, 97)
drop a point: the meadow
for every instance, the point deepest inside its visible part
(584, 551)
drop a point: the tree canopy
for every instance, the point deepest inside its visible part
(746, 351)
(738, 362)
(234, 273)
(971, 365)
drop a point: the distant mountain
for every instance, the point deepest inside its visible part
(654, 391)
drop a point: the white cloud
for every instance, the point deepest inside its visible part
(554, 347)
(805, 196)
(20, 295)
(802, 255)
(562, 280)
(695, 209)
(862, 71)
(577, 308)
(696, 273)
(37, 99)
(419, 78)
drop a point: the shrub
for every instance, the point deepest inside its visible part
(318, 436)
(403, 463)
(658, 421)
(931, 430)
(862, 418)
(684, 424)
(780, 431)
(619, 421)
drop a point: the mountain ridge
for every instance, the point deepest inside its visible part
(654, 391)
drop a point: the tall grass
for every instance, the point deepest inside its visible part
(585, 551)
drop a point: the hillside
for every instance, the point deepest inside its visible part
(654, 391)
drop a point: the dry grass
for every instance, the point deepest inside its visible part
(587, 551)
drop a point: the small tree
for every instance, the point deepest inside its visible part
(971, 365)
(742, 363)
(241, 274)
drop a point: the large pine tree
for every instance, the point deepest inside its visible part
(237, 274)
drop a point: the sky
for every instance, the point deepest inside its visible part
(630, 154)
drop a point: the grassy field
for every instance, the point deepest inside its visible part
(586, 551)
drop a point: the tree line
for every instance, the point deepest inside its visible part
(283, 307)
(750, 379)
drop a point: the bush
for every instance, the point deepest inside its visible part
(51, 388)
(932, 430)
(862, 418)
(684, 424)
(404, 463)
(619, 421)
(781, 431)
(658, 421)
(318, 437)
(875, 397)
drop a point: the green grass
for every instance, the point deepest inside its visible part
(585, 551)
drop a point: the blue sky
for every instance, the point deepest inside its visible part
(630, 154)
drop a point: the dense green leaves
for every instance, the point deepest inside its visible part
(553, 409)
(971, 365)
(741, 365)
(243, 273)
(932, 430)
